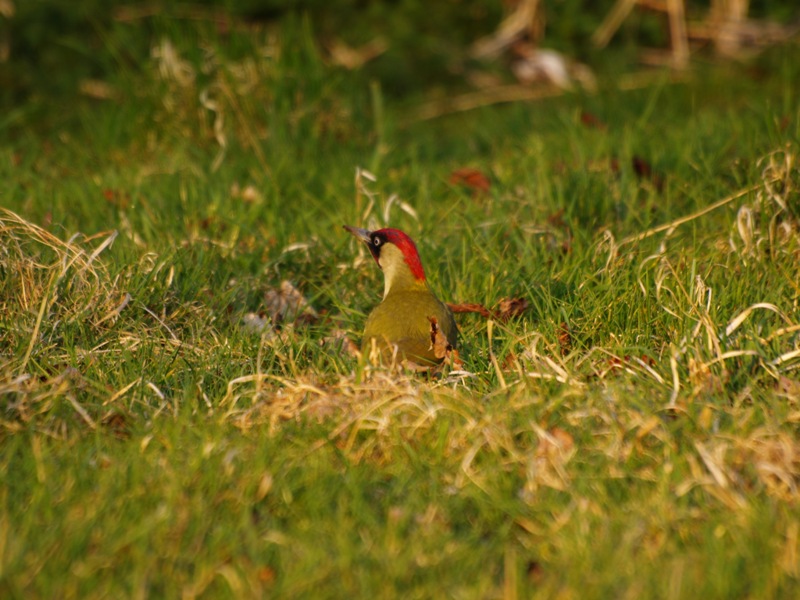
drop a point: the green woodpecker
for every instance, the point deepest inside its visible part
(400, 327)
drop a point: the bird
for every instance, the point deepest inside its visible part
(403, 327)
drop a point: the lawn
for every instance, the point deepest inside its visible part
(184, 413)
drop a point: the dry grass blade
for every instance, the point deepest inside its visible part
(63, 281)
(688, 218)
(742, 316)
(786, 357)
(713, 465)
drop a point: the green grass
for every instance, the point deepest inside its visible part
(627, 437)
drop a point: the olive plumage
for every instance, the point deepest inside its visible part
(399, 328)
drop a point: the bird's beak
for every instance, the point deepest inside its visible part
(362, 234)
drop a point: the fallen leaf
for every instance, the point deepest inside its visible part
(506, 309)
(537, 65)
(564, 439)
(115, 198)
(266, 575)
(643, 170)
(511, 307)
(556, 220)
(454, 360)
(564, 339)
(554, 450)
(557, 446)
(442, 348)
(648, 360)
(456, 363)
(641, 167)
(117, 424)
(788, 387)
(469, 307)
(535, 572)
(615, 363)
(510, 362)
(534, 64)
(339, 339)
(439, 342)
(287, 304)
(353, 58)
(471, 178)
(256, 322)
(589, 120)
(97, 89)
(249, 194)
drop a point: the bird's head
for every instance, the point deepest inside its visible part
(396, 254)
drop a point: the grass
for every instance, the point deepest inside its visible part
(633, 434)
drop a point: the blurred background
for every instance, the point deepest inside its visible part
(51, 48)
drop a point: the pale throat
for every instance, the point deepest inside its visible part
(396, 273)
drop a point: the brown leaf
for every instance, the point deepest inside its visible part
(592, 121)
(535, 572)
(352, 58)
(554, 450)
(510, 362)
(564, 439)
(471, 178)
(255, 322)
(454, 359)
(507, 308)
(288, 304)
(339, 339)
(510, 307)
(556, 220)
(117, 423)
(469, 307)
(614, 364)
(559, 444)
(788, 387)
(116, 198)
(564, 339)
(97, 89)
(544, 66)
(248, 194)
(649, 361)
(442, 348)
(643, 170)
(641, 167)
(438, 340)
(266, 575)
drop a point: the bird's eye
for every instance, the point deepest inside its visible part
(376, 240)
